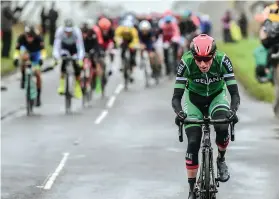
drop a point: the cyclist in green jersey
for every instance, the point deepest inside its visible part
(203, 75)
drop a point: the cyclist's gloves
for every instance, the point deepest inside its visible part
(180, 117)
(231, 115)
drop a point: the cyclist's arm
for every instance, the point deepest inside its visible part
(80, 44)
(228, 74)
(42, 48)
(117, 35)
(19, 43)
(57, 43)
(99, 35)
(135, 41)
(180, 85)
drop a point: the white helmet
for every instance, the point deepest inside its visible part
(128, 23)
(144, 25)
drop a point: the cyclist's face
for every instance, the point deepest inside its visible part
(204, 66)
(84, 34)
(145, 31)
(29, 38)
(68, 33)
(105, 32)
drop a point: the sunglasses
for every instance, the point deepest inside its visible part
(204, 59)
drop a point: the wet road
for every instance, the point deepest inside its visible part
(124, 146)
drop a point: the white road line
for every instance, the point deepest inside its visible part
(52, 178)
(101, 117)
(111, 101)
(118, 89)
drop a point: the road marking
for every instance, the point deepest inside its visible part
(111, 101)
(52, 178)
(118, 89)
(101, 117)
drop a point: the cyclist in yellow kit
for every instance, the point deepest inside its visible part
(126, 36)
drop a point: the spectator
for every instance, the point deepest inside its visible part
(52, 16)
(205, 25)
(226, 27)
(7, 20)
(243, 24)
(44, 19)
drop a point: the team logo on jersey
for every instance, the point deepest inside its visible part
(228, 64)
(208, 80)
(180, 68)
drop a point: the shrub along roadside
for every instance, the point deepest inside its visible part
(241, 55)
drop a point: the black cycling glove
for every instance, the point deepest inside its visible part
(180, 117)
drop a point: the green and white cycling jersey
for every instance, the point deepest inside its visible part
(205, 84)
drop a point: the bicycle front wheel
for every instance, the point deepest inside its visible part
(126, 73)
(29, 104)
(67, 96)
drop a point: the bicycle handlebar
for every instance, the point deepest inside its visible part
(208, 121)
(68, 57)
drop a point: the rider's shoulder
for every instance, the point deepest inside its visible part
(219, 55)
(187, 55)
(187, 58)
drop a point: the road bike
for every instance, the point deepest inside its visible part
(68, 82)
(87, 78)
(207, 183)
(145, 64)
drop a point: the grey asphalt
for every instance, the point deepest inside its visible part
(133, 153)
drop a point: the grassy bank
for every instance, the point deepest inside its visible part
(241, 55)
(7, 63)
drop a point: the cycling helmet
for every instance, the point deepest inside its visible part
(104, 24)
(187, 13)
(90, 23)
(168, 18)
(29, 30)
(168, 12)
(145, 25)
(68, 25)
(128, 24)
(203, 47)
(84, 27)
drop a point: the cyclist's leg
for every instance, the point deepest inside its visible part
(194, 135)
(35, 60)
(166, 60)
(123, 52)
(78, 91)
(175, 55)
(132, 57)
(218, 110)
(61, 88)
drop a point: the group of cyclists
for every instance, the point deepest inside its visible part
(101, 37)
(202, 72)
